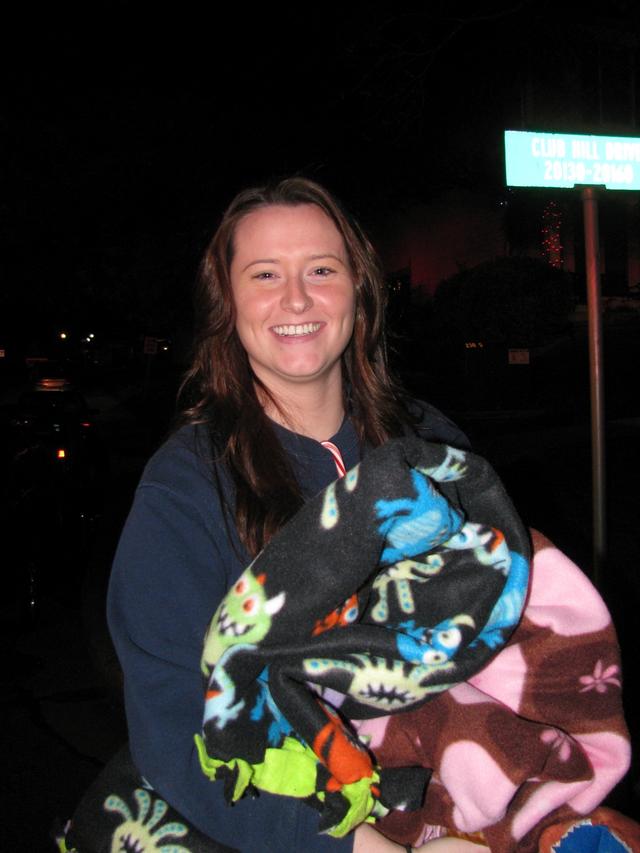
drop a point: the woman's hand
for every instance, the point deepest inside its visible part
(453, 845)
(367, 840)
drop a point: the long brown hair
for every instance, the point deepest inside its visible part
(221, 385)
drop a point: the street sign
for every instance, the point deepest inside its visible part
(557, 160)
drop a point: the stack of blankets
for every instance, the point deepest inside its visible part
(395, 655)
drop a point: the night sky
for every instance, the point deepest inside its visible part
(128, 129)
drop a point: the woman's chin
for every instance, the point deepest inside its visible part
(300, 372)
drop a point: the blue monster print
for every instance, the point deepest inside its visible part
(412, 526)
(487, 543)
(220, 701)
(508, 608)
(279, 727)
(432, 646)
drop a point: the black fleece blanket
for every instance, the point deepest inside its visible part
(397, 582)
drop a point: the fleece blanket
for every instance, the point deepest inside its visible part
(526, 749)
(398, 582)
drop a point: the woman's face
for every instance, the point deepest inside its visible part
(294, 296)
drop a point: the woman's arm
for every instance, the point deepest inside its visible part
(172, 567)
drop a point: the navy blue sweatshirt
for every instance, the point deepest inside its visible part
(176, 560)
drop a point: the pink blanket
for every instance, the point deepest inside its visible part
(534, 739)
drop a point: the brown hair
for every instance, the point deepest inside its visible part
(222, 386)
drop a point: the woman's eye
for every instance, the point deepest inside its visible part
(322, 271)
(264, 276)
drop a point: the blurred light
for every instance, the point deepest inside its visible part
(52, 384)
(86, 423)
(165, 348)
(61, 453)
(63, 336)
(91, 335)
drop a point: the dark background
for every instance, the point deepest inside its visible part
(128, 127)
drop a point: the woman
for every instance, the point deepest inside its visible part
(289, 353)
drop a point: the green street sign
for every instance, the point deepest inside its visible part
(558, 160)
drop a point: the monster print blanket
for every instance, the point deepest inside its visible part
(525, 751)
(400, 581)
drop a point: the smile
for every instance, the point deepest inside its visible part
(296, 331)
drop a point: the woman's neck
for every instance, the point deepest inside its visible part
(316, 414)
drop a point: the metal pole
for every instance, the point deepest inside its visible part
(596, 376)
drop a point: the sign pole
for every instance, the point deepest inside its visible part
(556, 160)
(596, 376)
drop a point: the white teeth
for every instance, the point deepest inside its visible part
(297, 331)
(227, 627)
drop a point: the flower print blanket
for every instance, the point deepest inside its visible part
(527, 748)
(398, 582)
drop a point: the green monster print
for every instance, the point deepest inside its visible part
(382, 684)
(133, 835)
(402, 574)
(243, 617)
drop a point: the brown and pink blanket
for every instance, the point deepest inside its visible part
(534, 741)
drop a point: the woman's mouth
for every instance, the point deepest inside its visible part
(296, 331)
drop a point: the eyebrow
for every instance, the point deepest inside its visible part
(326, 255)
(261, 261)
(318, 257)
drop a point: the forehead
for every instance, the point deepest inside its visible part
(281, 229)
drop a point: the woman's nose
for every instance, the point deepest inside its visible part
(296, 297)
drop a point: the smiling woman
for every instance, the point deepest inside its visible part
(286, 256)
(288, 386)
(294, 299)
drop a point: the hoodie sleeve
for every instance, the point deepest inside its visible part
(173, 565)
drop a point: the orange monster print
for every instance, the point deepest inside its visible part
(343, 757)
(340, 617)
